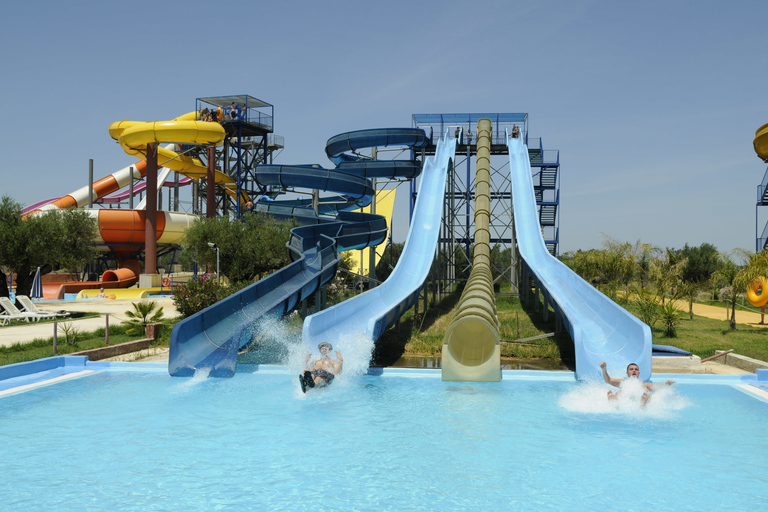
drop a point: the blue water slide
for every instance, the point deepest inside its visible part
(212, 338)
(378, 309)
(601, 330)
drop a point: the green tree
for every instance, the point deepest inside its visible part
(616, 266)
(666, 275)
(51, 240)
(701, 262)
(585, 263)
(248, 248)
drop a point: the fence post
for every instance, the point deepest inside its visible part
(55, 334)
(106, 332)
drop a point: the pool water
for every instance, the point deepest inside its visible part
(116, 440)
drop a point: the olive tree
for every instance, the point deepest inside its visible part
(248, 248)
(51, 240)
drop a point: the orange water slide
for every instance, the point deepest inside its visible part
(123, 231)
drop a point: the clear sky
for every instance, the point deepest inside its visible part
(653, 105)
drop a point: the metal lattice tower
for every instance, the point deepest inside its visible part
(457, 233)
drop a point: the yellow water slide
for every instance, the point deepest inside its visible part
(134, 136)
(761, 142)
(471, 348)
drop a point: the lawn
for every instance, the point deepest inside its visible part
(68, 343)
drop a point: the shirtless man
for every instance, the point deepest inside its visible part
(633, 372)
(320, 373)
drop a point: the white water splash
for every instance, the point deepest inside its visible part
(355, 348)
(188, 385)
(592, 398)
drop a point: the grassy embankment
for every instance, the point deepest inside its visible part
(43, 347)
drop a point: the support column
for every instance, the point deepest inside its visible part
(210, 186)
(90, 183)
(150, 224)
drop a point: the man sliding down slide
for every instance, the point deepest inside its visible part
(321, 372)
(633, 372)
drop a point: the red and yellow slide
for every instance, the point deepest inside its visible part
(121, 230)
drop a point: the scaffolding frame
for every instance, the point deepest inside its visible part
(249, 142)
(453, 258)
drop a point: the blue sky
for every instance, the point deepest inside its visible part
(653, 105)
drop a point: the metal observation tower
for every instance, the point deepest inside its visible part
(250, 141)
(457, 233)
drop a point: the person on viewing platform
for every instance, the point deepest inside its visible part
(239, 112)
(515, 132)
(321, 372)
(219, 114)
(633, 372)
(458, 132)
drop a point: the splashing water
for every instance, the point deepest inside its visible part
(592, 398)
(355, 348)
(188, 385)
(279, 341)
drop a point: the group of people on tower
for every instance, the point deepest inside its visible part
(231, 112)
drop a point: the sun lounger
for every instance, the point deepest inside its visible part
(11, 312)
(30, 307)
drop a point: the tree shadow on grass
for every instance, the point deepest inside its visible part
(391, 345)
(562, 339)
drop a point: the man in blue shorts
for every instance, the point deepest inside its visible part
(320, 373)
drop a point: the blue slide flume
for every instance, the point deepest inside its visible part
(371, 313)
(212, 338)
(601, 330)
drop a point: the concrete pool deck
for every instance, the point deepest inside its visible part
(27, 332)
(30, 331)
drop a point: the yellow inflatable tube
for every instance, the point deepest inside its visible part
(758, 299)
(134, 136)
(761, 142)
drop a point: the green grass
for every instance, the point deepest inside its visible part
(423, 335)
(43, 347)
(702, 336)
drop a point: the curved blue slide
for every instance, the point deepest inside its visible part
(601, 330)
(373, 312)
(212, 338)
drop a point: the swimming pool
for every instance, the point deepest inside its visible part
(129, 437)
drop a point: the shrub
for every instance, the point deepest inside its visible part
(70, 331)
(143, 313)
(670, 315)
(648, 310)
(198, 294)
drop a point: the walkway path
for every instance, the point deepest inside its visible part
(27, 332)
(720, 313)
